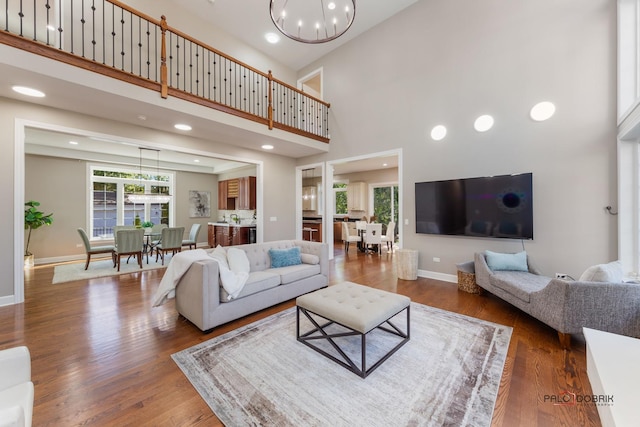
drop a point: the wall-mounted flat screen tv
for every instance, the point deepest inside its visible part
(494, 206)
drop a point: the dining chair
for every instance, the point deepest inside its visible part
(348, 235)
(192, 241)
(128, 242)
(390, 237)
(171, 240)
(373, 237)
(93, 250)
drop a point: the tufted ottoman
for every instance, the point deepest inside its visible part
(347, 310)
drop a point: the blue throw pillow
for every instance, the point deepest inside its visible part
(511, 262)
(285, 257)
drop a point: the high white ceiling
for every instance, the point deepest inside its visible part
(249, 21)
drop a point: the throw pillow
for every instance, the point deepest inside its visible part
(509, 262)
(238, 261)
(309, 259)
(611, 272)
(220, 255)
(285, 257)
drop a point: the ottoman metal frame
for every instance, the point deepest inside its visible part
(348, 363)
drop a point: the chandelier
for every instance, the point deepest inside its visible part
(149, 197)
(313, 21)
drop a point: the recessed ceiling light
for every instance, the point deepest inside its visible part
(181, 126)
(543, 111)
(331, 6)
(483, 123)
(73, 142)
(272, 38)
(142, 117)
(385, 165)
(28, 91)
(196, 160)
(438, 133)
(267, 147)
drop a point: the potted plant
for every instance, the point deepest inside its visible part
(147, 225)
(33, 218)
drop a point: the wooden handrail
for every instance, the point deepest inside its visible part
(282, 106)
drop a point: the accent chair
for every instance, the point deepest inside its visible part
(93, 250)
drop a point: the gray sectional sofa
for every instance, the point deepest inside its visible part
(566, 306)
(202, 300)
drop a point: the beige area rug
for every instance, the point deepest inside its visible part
(103, 268)
(447, 374)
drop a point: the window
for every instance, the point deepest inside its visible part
(340, 198)
(385, 203)
(108, 200)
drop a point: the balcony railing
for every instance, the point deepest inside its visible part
(113, 39)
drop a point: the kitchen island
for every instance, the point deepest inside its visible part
(230, 234)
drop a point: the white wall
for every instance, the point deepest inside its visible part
(442, 62)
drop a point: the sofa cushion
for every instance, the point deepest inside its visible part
(519, 283)
(258, 281)
(510, 262)
(294, 273)
(310, 259)
(611, 272)
(285, 257)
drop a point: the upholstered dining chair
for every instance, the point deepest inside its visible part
(93, 250)
(373, 236)
(390, 237)
(128, 242)
(171, 241)
(192, 241)
(349, 235)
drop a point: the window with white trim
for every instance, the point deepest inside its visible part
(108, 204)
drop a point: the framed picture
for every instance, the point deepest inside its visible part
(199, 204)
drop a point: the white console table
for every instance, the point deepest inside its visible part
(613, 369)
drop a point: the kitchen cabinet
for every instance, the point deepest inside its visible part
(239, 235)
(229, 235)
(246, 193)
(211, 236)
(222, 235)
(357, 196)
(224, 201)
(309, 198)
(237, 193)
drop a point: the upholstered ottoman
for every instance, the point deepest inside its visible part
(358, 310)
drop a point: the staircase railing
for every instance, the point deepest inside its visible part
(113, 39)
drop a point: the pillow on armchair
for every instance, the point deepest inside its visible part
(611, 272)
(507, 262)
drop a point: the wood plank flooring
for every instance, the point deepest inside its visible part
(101, 354)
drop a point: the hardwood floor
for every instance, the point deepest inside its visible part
(101, 354)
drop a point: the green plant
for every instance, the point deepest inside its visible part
(147, 224)
(33, 219)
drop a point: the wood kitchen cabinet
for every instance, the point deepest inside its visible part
(224, 201)
(211, 236)
(222, 235)
(239, 235)
(246, 193)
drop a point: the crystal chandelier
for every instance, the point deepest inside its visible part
(149, 197)
(313, 21)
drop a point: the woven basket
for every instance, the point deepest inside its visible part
(467, 282)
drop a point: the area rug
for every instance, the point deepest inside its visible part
(447, 374)
(102, 268)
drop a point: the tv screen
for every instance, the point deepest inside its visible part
(495, 206)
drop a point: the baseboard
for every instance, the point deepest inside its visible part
(438, 276)
(8, 300)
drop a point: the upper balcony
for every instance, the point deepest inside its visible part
(114, 40)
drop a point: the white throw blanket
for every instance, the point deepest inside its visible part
(178, 265)
(232, 282)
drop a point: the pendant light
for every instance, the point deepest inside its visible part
(149, 197)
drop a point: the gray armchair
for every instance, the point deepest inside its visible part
(93, 250)
(171, 241)
(566, 306)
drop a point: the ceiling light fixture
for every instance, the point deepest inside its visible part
(149, 197)
(267, 147)
(483, 123)
(311, 21)
(23, 90)
(542, 111)
(438, 133)
(181, 126)
(272, 38)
